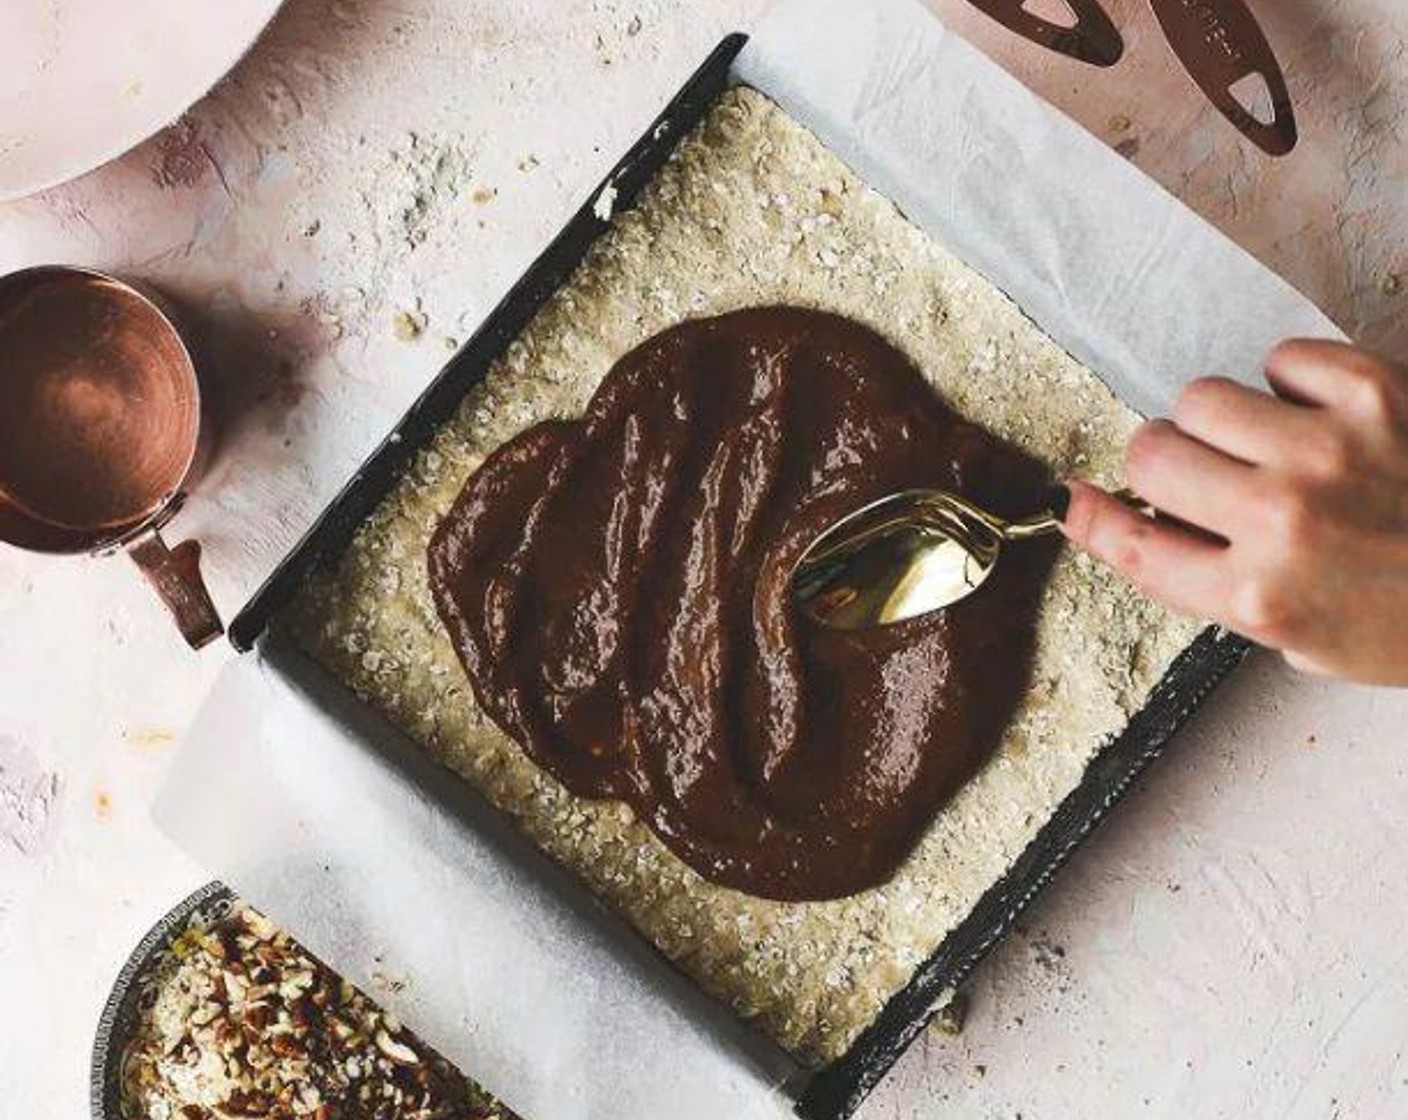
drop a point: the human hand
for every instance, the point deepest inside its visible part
(1287, 514)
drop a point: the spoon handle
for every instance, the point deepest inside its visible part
(1221, 46)
(1043, 524)
(1093, 37)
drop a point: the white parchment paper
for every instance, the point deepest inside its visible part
(1111, 266)
(396, 874)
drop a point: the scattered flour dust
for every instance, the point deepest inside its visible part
(29, 795)
(422, 182)
(418, 186)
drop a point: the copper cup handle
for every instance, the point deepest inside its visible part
(174, 574)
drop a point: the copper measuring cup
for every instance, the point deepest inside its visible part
(100, 430)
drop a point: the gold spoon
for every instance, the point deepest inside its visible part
(905, 555)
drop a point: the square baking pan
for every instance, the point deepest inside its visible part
(835, 1090)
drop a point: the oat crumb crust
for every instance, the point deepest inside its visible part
(752, 209)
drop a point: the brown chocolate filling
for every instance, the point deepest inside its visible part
(617, 589)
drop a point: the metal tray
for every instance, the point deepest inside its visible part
(119, 1017)
(836, 1090)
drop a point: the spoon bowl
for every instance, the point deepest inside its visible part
(906, 555)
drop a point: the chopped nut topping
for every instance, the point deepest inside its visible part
(240, 1021)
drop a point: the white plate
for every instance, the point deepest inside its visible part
(81, 81)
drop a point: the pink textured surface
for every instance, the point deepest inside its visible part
(1333, 217)
(1230, 946)
(84, 80)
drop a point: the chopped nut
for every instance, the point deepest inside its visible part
(204, 1014)
(257, 1016)
(248, 1102)
(394, 1050)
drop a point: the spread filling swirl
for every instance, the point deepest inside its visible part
(617, 589)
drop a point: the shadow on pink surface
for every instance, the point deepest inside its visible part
(255, 369)
(1323, 217)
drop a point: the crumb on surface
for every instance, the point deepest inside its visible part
(407, 325)
(951, 1018)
